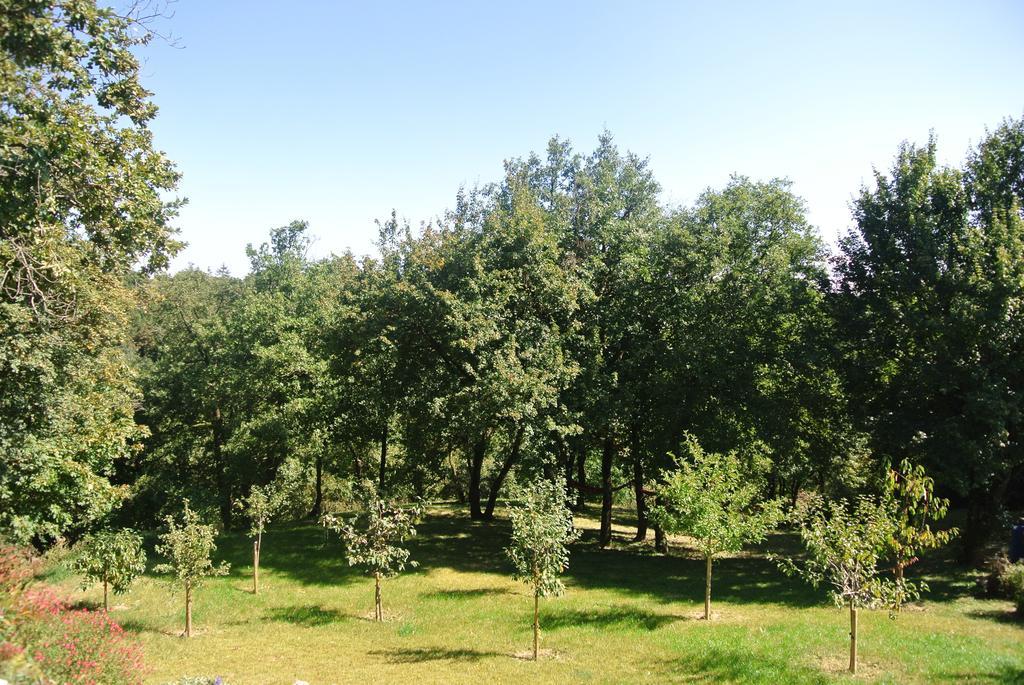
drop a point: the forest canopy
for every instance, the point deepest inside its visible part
(560, 321)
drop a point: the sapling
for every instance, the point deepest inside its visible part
(113, 558)
(910, 497)
(374, 538)
(262, 504)
(845, 549)
(541, 532)
(188, 547)
(712, 498)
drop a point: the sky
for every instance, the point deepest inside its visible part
(337, 112)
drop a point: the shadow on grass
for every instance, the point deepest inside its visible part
(299, 551)
(1008, 675)
(452, 540)
(447, 538)
(622, 618)
(722, 665)
(416, 656)
(678, 578)
(309, 616)
(87, 604)
(1002, 616)
(466, 594)
(138, 626)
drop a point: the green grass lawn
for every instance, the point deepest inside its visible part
(629, 616)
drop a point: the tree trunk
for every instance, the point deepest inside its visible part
(638, 490)
(318, 495)
(978, 526)
(106, 600)
(853, 636)
(897, 572)
(188, 611)
(513, 456)
(378, 604)
(223, 486)
(476, 463)
(581, 479)
(660, 541)
(607, 457)
(357, 463)
(536, 625)
(707, 588)
(460, 494)
(567, 459)
(256, 564)
(383, 457)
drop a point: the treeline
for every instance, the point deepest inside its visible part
(562, 321)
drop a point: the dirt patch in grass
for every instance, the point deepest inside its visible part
(542, 655)
(835, 664)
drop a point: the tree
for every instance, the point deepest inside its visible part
(113, 558)
(374, 538)
(845, 547)
(910, 497)
(713, 499)
(188, 546)
(190, 376)
(259, 507)
(230, 374)
(83, 206)
(927, 289)
(744, 338)
(541, 532)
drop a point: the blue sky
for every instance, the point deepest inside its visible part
(337, 112)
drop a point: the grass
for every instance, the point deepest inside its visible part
(629, 616)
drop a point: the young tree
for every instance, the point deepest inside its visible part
(712, 498)
(114, 558)
(910, 496)
(374, 538)
(541, 532)
(187, 547)
(262, 504)
(845, 548)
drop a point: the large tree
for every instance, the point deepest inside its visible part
(487, 307)
(82, 207)
(930, 284)
(231, 376)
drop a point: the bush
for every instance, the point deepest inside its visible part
(43, 641)
(993, 584)
(1013, 580)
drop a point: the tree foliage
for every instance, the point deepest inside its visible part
(846, 547)
(913, 507)
(927, 289)
(259, 507)
(715, 499)
(374, 538)
(188, 547)
(114, 558)
(542, 531)
(82, 205)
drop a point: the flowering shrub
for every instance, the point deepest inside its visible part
(46, 642)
